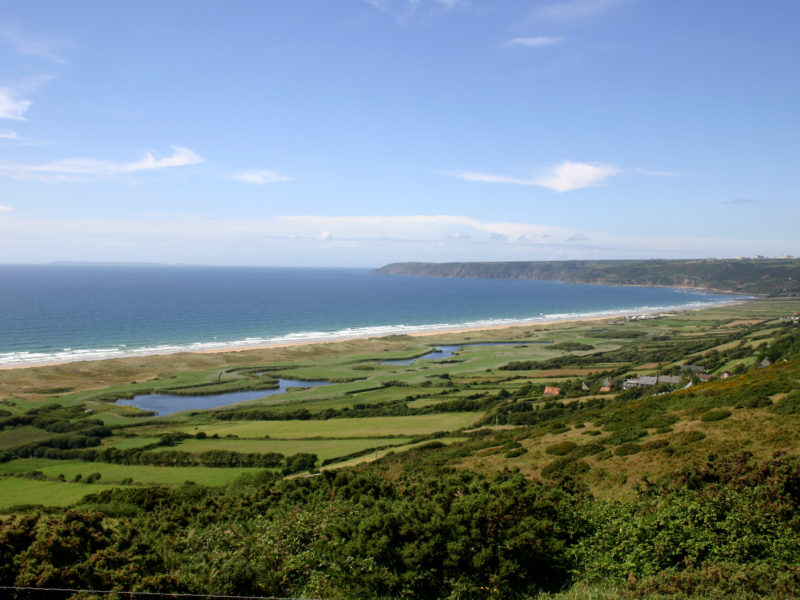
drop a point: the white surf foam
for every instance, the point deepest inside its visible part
(25, 358)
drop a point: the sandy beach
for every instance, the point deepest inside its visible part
(238, 349)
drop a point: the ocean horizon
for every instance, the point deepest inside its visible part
(71, 312)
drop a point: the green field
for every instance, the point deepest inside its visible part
(339, 428)
(324, 449)
(110, 473)
(17, 491)
(22, 435)
(133, 442)
(388, 452)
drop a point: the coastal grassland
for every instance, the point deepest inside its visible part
(22, 435)
(391, 453)
(20, 492)
(126, 443)
(114, 474)
(376, 427)
(116, 375)
(449, 478)
(324, 449)
(430, 396)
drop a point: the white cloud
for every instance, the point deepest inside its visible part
(489, 178)
(412, 5)
(577, 9)
(89, 169)
(416, 228)
(574, 176)
(42, 48)
(13, 136)
(11, 107)
(355, 240)
(564, 177)
(415, 12)
(535, 42)
(5, 209)
(260, 177)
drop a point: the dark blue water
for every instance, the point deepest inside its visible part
(440, 352)
(166, 404)
(61, 313)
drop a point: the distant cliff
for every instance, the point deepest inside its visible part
(768, 277)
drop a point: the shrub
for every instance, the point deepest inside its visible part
(660, 421)
(627, 449)
(588, 449)
(715, 415)
(561, 448)
(565, 467)
(516, 452)
(302, 461)
(654, 445)
(626, 435)
(692, 436)
(790, 405)
(758, 402)
(571, 346)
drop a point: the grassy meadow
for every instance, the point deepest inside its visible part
(407, 444)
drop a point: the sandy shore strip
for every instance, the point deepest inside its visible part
(425, 333)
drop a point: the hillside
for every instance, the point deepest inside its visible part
(763, 277)
(535, 462)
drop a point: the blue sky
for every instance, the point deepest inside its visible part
(361, 132)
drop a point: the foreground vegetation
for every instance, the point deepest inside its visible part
(450, 478)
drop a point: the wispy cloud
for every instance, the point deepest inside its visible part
(12, 107)
(413, 5)
(5, 209)
(740, 201)
(260, 177)
(89, 169)
(42, 47)
(8, 135)
(541, 41)
(574, 176)
(564, 177)
(414, 11)
(578, 9)
(354, 240)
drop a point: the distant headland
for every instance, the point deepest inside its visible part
(756, 276)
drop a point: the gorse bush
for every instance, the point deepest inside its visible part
(729, 525)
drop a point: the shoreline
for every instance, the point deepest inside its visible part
(454, 330)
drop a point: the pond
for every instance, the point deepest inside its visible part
(440, 352)
(166, 404)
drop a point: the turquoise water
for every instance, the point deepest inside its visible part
(67, 313)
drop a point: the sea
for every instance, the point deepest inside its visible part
(64, 313)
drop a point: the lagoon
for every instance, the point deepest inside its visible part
(167, 404)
